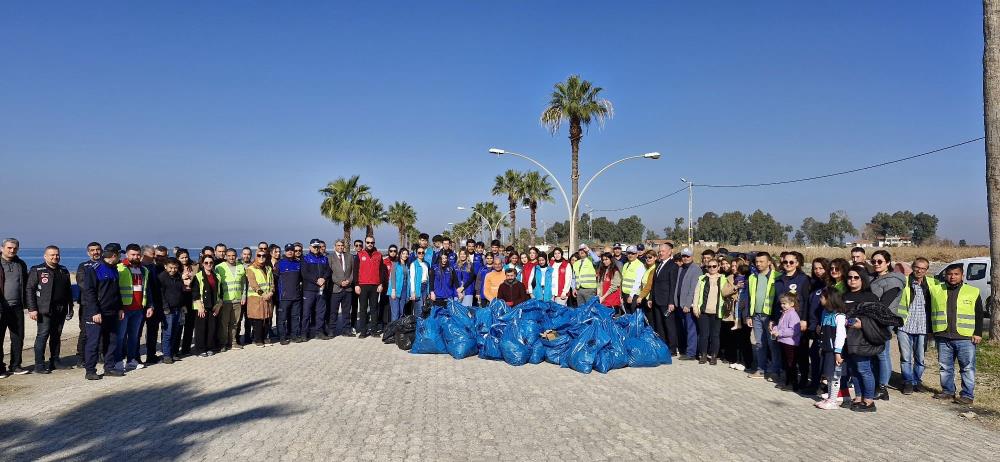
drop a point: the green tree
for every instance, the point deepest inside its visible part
(765, 229)
(800, 238)
(924, 228)
(342, 201)
(651, 235)
(536, 189)
(676, 233)
(489, 212)
(558, 232)
(578, 102)
(629, 230)
(403, 216)
(372, 215)
(511, 184)
(604, 230)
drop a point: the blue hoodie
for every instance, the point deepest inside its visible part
(399, 281)
(466, 278)
(289, 276)
(443, 282)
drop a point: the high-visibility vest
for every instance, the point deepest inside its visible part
(965, 311)
(769, 298)
(125, 287)
(199, 303)
(907, 298)
(231, 282)
(700, 292)
(264, 281)
(629, 273)
(586, 276)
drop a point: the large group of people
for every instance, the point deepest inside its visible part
(817, 333)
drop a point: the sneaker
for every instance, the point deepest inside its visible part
(286, 342)
(944, 396)
(168, 360)
(176, 358)
(203, 355)
(962, 400)
(755, 375)
(739, 367)
(770, 377)
(908, 389)
(92, 376)
(209, 353)
(918, 388)
(828, 405)
(882, 393)
(732, 365)
(42, 370)
(20, 371)
(847, 404)
(114, 373)
(862, 407)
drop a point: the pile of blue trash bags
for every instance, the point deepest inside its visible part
(583, 339)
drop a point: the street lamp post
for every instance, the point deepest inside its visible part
(572, 209)
(493, 228)
(690, 209)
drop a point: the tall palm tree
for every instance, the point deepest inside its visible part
(511, 184)
(536, 189)
(991, 116)
(489, 212)
(372, 215)
(342, 201)
(578, 102)
(403, 217)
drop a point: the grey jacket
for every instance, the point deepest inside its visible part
(341, 273)
(887, 282)
(685, 288)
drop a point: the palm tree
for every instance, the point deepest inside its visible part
(991, 116)
(510, 183)
(579, 102)
(536, 189)
(342, 202)
(403, 217)
(372, 215)
(489, 212)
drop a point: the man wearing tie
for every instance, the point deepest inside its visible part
(341, 283)
(664, 278)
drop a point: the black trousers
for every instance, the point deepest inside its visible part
(708, 334)
(367, 303)
(105, 333)
(802, 357)
(81, 341)
(257, 329)
(206, 333)
(152, 334)
(12, 319)
(49, 332)
(657, 316)
(669, 327)
(182, 343)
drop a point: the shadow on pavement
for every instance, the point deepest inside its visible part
(146, 424)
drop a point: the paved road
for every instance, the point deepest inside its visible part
(351, 399)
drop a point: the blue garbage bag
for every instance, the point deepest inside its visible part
(427, 338)
(644, 347)
(515, 350)
(584, 349)
(458, 331)
(537, 352)
(556, 349)
(613, 354)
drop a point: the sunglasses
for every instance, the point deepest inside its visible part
(788, 262)
(853, 278)
(878, 262)
(420, 253)
(370, 242)
(358, 244)
(713, 266)
(260, 255)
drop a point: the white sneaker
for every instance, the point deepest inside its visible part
(828, 405)
(740, 367)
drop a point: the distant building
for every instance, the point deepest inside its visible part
(864, 244)
(653, 243)
(894, 241)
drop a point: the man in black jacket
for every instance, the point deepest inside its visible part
(103, 301)
(13, 284)
(94, 251)
(660, 296)
(49, 297)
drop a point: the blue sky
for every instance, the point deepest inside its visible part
(184, 122)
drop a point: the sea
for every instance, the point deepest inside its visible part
(69, 257)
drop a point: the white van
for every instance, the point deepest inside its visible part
(977, 274)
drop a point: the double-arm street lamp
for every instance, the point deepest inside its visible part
(493, 227)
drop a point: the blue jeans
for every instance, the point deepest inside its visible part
(418, 307)
(964, 351)
(862, 376)
(884, 364)
(691, 326)
(764, 349)
(396, 306)
(467, 300)
(128, 336)
(911, 356)
(171, 329)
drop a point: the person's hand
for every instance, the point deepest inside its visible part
(96, 318)
(33, 315)
(412, 298)
(976, 339)
(379, 288)
(686, 309)
(345, 283)
(393, 297)
(649, 304)
(839, 359)
(215, 312)
(433, 297)
(819, 330)
(320, 282)
(749, 322)
(149, 312)
(357, 290)
(121, 315)
(857, 323)
(740, 285)
(201, 313)
(670, 308)
(803, 326)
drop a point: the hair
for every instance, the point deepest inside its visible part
(201, 260)
(172, 261)
(858, 249)
(649, 253)
(246, 248)
(826, 266)
(537, 252)
(94, 244)
(863, 272)
(488, 255)
(743, 269)
(509, 248)
(148, 249)
(423, 236)
(220, 245)
(834, 300)
(952, 267)
(131, 247)
(470, 241)
(915, 260)
(790, 298)
(602, 270)
(841, 265)
(231, 250)
(446, 239)
(297, 244)
(509, 269)
(542, 255)
(392, 247)
(182, 250)
(480, 244)
(271, 248)
(722, 251)
(437, 238)
(557, 249)
(763, 254)
(161, 248)
(11, 240)
(51, 247)
(494, 242)
(262, 242)
(708, 253)
(884, 254)
(399, 256)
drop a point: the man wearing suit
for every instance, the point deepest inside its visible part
(341, 283)
(664, 279)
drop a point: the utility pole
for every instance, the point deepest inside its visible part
(991, 116)
(690, 210)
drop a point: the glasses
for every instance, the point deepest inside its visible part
(788, 262)
(853, 278)
(878, 262)
(713, 266)
(260, 255)
(920, 268)
(392, 251)
(358, 244)
(370, 242)
(207, 263)
(420, 253)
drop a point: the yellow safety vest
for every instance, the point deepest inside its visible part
(586, 277)
(907, 298)
(699, 294)
(629, 272)
(770, 292)
(231, 282)
(264, 281)
(965, 312)
(125, 287)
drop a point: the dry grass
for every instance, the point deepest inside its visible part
(904, 254)
(987, 404)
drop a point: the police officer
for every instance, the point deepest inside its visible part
(94, 251)
(315, 274)
(49, 297)
(102, 300)
(289, 281)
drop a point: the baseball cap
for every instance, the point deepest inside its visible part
(687, 252)
(113, 247)
(315, 243)
(618, 246)
(631, 249)
(640, 247)
(289, 247)
(582, 247)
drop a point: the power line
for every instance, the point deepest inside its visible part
(644, 203)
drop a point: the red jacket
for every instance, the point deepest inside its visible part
(370, 268)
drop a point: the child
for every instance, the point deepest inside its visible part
(172, 296)
(787, 333)
(833, 333)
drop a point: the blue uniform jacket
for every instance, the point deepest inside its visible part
(99, 291)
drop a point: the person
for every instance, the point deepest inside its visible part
(512, 291)
(664, 318)
(867, 334)
(289, 285)
(562, 277)
(466, 278)
(49, 300)
(263, 247)
(13, 285)
(422, 242)
(888, 286)
(182, 344)
(709, 298)
(833, 334)
(443, 281)
(207, 302)
(957, 323)
(633, 271)
(101, 295)
(446, 249)
(94, 251)
(838, 271)
(493, 280)
(220, 253)
(399, 284)
(475, 250)
(585, 277)
(171, 285)
(385, 311)
(648, 259)
(315, 274)
(540, 279)
(819, 279)
(858, 256)
(152, 323)
(514, 262)
(788, 333)
(370, 277)
(342, 283)
(707, 255)
(419, 274)
(735, 335)
(232, 278)
(260, 292)
(794, 281)
(246, 256)
(609, 291)
(687, 281)
(618, 257)
(497, 250)
(760, 292)
(913, 308)
(487, 267)
(134, 284)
